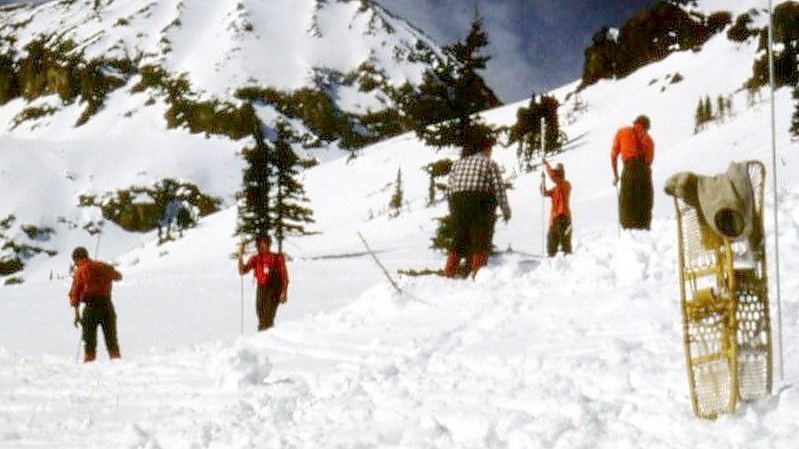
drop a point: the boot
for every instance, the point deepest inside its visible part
(89, 356)
(479, 260)
(114, 354)
(451, 268)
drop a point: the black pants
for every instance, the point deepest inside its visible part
(100, 313)
(636, 196)
(560, 235)
(266, 301)
(473, 216)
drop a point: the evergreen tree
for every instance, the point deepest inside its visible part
(721, 107)
(527, 129)
(396, 198)
(441, 110)
(254, 214)
(708, 108)
(435, 170)
(699, 117)
(289, 215)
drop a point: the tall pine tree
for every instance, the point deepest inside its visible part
(441, 110)
(289, 215)
(396, 199)
(272, 197)
(254, 198)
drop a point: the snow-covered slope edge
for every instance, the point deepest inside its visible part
(583, 351)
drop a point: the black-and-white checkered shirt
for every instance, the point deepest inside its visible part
(478, 173)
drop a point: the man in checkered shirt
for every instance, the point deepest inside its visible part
(475, 188)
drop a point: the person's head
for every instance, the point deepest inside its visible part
(79, 254)
(642, 121)
(479, 139)
(263, 242)
(558, 171)
(487, 144)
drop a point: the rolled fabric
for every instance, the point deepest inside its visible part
(725, 202)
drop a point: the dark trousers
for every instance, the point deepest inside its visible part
(636, 196)
(266, 301)
(100, 314)
(560, 235)
(473, 216)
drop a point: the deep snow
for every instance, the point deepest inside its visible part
(582, 351)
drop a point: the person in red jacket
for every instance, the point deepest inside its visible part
(272, 278)
(91, 285)
(637, 150)
(560, 221)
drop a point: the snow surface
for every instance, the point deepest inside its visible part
(582, 351)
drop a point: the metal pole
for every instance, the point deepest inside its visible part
(774, 182)
(242, 305)
(543, 206)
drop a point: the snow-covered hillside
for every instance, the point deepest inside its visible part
(582, 351)
(165, 67)
(227, 44)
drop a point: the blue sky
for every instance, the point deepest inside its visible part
(536, 45)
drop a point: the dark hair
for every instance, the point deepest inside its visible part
(643, 120)
(261, 237)
(477, 138)
(78, 253)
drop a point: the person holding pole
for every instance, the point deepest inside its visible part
(560, 222)
(91, 285)
(272, 277)
(637, 151)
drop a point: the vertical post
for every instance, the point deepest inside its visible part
(774, 182)
(242, 305)
(543, 199)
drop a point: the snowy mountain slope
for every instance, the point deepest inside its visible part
(301, 52)
(582, 351)
(223, 45)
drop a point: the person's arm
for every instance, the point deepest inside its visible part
(243, 268)
(649, 149)
(75, 293)
(543, 188)
(549, 170)
(78, 286)
(284, 278)
(614, 156)
(112, 272)
(499, 189)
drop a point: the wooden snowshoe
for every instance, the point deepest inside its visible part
(724, 301)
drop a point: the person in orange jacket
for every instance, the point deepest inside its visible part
(560, 221)
(272, 278)
(91, 284)
(637, 151)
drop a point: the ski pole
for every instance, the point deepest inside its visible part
(543, 182)
(543, 216)
(76, 323)
(241, 278)
(242, 304)
(618, 207)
